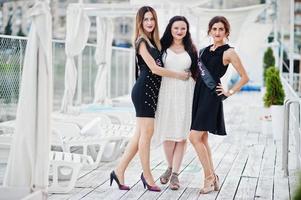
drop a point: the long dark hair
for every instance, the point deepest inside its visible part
(167, 40)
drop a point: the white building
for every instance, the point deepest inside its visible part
(15, 13)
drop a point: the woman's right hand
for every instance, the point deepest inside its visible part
(183, 76)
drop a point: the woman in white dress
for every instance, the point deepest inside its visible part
(173, 116)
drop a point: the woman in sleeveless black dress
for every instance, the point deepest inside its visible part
(144, 96)
(207, 109)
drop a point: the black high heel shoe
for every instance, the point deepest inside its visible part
(120, 186)
(153, 188)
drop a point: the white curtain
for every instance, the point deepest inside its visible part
(251, 52)
(78, 27)
(29, 156)
(237, 17)
(240, 19)
(103, 56)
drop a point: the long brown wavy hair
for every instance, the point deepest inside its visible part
(140, 32)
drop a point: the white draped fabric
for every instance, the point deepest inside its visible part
(238, 18)
(78, 27)
(242, 21)
(103, 56)
(251, 49)
(29, 156)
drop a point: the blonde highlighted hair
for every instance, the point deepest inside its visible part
(140, 32)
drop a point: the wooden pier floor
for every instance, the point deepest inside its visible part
(247, 161)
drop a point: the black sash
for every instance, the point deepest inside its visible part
(207, 78)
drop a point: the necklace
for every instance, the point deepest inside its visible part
(215, 46)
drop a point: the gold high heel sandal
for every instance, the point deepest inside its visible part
(209, 185)
(216, 183)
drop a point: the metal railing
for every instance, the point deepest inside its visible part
(296, 85)
(292, 126)
(12, 50)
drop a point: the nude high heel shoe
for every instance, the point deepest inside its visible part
(209, 185)
(216, 183)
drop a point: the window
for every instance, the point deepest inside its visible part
(62, 21)
(124, 28)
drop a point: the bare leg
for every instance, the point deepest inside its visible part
(146, 133)
(169, 147)
(195, 138)
(130, 152)
(178, 156)
(205, 141)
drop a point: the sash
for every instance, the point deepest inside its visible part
(207, 77)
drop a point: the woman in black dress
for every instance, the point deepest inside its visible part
(207, 109)
(144, 96)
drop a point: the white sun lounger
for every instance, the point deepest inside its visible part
(64, 170)
(106, 145)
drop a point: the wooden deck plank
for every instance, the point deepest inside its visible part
(281, 184)
(247, 161)
(193, 187)
(188, 159)
(268, 162)
(233, 177)
(246, 188)
(222, 170)
(252, 168)
(264, 188)
(132, 178)
(281, 191)
(188, 174)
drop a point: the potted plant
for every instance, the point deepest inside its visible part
(274, 98)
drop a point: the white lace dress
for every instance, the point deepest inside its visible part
(173, 115)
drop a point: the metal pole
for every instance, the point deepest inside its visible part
(285, 139)
(281, 52)
(276, 44)
(291, 52)
(297, 133)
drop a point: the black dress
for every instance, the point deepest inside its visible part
(207, 108)
(146, 89)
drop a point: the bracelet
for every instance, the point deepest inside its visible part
(231, 92)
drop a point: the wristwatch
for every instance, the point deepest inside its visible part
(231, 92)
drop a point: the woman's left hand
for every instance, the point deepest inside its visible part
(220, 90)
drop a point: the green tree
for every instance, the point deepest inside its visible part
(274, 90)
(268, 61)
(8, 28)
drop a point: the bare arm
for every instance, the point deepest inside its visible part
(149, 60)
(232, 57)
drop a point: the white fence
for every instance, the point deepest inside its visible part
(12, 50)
